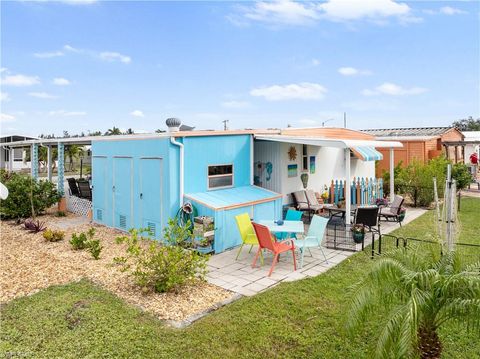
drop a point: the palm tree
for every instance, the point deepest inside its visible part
(113, 131)
(421, 295)
(73, 151)
(129, 132)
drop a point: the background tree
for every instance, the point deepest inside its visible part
(72, 152)
(94, 133)
(113, 131)
(421, 295)
(468, 124)
(129, 132)
(159, 131)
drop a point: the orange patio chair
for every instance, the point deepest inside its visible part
(269, 242)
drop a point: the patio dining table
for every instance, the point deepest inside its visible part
(286, 227)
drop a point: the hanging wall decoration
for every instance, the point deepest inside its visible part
(292, 153)
(292, 170)
(312, 164)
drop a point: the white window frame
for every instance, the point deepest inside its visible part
(217, 176)
(305, 158)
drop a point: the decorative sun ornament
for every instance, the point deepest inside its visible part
(292, 153)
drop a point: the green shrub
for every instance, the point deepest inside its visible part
(60, 214)
(26, 197)
(462, 175)
(52, 235)
(162, 267)
(81, 240)
(94, 248)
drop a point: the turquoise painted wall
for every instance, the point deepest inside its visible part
(200, 152)
(135, 183)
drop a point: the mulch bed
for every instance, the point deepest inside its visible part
(28, 264)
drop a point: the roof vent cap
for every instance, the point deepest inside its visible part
(173, 124)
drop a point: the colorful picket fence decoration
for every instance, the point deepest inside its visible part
(363, 191)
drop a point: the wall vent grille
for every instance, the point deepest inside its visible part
(99, 214)
(123, 221)
(152, 229)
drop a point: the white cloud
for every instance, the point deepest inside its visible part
(6, 118)
(284, 12)
(72, 49)
(42, 95)
(20, 80)
(392, 89)
(447, 10)
(300, 91)
(315, 62)
(137, 113)
(235, 104)
(351, 71)
(60, 81)
(354, 9)
(62, 113)
(47, 55)
(4, 97)
(115, 56)
(288, 12)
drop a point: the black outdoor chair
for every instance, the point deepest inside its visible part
(72, 184)
(369, 218)
(84, 189)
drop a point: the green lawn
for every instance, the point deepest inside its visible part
(303, 319)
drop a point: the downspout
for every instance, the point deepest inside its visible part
(181, 171)
(252, 138)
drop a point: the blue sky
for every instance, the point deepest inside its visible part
(90, 65)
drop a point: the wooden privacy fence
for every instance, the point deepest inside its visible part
(363, 190)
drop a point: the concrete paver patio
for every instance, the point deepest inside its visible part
(239, 276)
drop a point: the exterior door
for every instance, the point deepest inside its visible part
(151, 195)
(100, 193)
(122, 192)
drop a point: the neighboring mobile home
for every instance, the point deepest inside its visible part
(421, 143)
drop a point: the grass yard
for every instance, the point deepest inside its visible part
(303, 319)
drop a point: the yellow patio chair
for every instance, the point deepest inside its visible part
(247, 233)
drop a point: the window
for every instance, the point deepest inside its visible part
(220, 176)
(304, 158)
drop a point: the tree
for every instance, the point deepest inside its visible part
(113, 131)
(73, 151)
(468, 124)
(421, 296)
(129, 132)
(95, 133)
(462, 175)
(159, 131)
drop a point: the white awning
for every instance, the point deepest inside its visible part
(329, 142)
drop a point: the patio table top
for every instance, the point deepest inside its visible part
(286, 227)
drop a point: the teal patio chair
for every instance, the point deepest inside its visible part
(292, 215)
(313, 238)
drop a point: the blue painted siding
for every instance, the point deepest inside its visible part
(137, 179)
(201, 152)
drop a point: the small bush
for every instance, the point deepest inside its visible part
(61, 214)
(94, 248)
(26, 197)
(52, 235)
(80, 241)
(162, 267)
(34, 226)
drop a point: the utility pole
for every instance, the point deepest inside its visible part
(345, 120)
(225, 127)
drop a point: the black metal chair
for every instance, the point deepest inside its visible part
(369, 218)
(72, 184)
(84, 189)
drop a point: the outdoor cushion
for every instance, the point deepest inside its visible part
(312, 199)
(300, 197)
(389, 211)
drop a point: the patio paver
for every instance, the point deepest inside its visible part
(239, 276)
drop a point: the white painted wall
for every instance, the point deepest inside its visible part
(329, 165)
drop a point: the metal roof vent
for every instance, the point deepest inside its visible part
(173, 124)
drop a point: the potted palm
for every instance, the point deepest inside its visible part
(358, 233)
